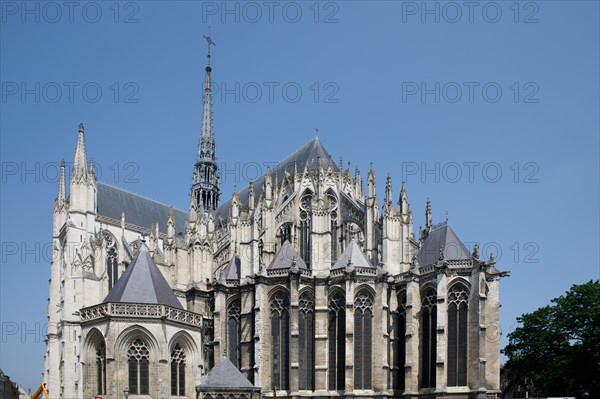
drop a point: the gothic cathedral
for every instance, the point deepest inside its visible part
(308, 285)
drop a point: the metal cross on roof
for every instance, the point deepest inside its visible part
(209, 41)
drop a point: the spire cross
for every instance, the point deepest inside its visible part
(209, 41)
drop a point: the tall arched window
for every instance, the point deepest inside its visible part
(280, 335)
(428, 338)
(235, 332)
(336, 333)
(112, 259)
(305, 227)
(363, 320)
(400, 342)
(306, 330)
(333, 216)
(177, 371)
(101, 368)
(458, 306)
(138, 362)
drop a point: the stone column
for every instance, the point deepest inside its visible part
(412, 337)
(321, 343)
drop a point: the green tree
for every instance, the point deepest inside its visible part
(557, 347)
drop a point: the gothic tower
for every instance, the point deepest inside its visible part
(205, 180)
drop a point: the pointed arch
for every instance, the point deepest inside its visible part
(95, 360)
(306, 334)
(363, 338)
(178, 367)
(336, 335)
(234, 330)
(279, 303)
(399, 342)
(112, 258)
(305, 227)
(458, 312)
(335, 241)
(428, 337)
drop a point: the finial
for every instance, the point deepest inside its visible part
(442, 254)
(476, 251)
(317, 133)
(210, 43)
(62, 192)
(446, 217)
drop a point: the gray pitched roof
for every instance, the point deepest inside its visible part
(352, 255)
(308, 153)
(286, 257)
(142, 282)
(454, 249)
(225, 376)
(232, 271)
(140, 211)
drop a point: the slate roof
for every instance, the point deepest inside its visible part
(352, 255)
(225, 376)
(142, 282)
(309, 152)
(232, 270)
(286, 257)
(140, 211)
(454, 249)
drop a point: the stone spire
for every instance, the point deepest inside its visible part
(79, 161)
(428, 222)
(62, 189)
(403, 199)
(371, 182)
(388, 190)
(205, 180)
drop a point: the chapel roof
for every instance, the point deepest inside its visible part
(287, 257)
(352, 256)
(142, 282)
(442, 237)
(225, 376)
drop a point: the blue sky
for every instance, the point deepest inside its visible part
(491, 111)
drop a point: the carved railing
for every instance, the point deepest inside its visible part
(460, 263)
(337, 272)
(366, 270)
(426, 269)
(285, 272)
(139, 310)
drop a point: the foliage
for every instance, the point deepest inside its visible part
(557, 348)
